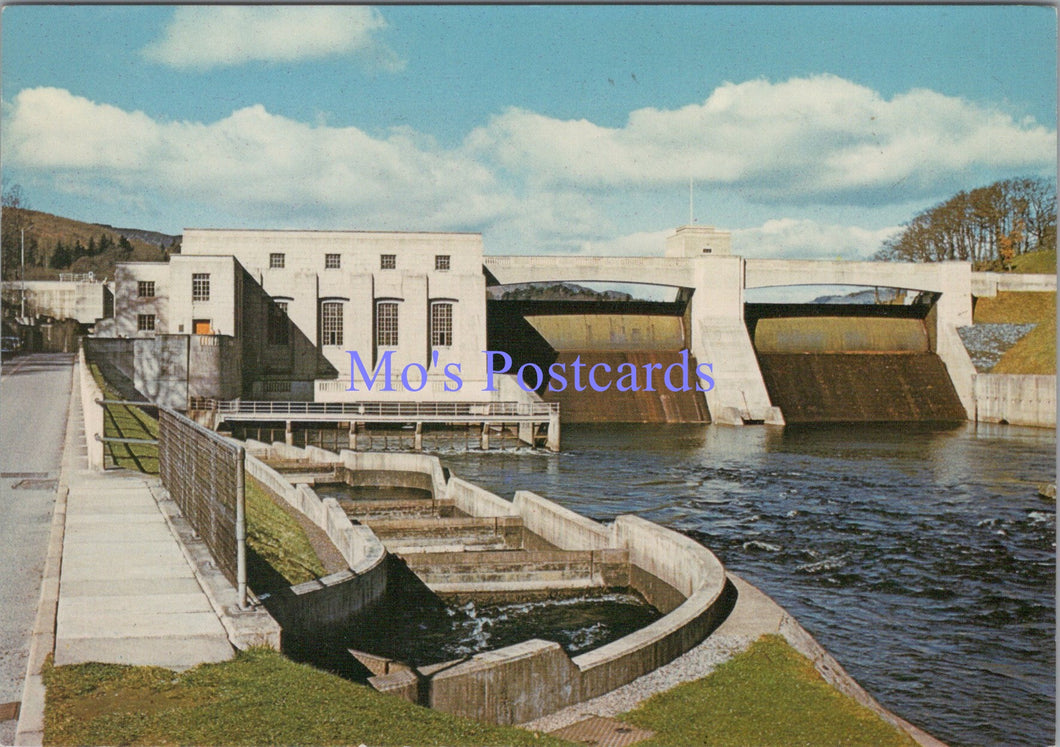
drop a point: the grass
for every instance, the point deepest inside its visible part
(126, 421)
(1035, 263)
(1035, 353)
(278, 538)
(258, 698)
(768, 695)
(272, 533)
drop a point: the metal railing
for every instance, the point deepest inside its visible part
(368, 411)
(204, 473)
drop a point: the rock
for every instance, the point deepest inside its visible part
(1047, 490)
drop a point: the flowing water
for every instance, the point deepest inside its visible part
(922, 558)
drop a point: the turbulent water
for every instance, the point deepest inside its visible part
(445, 631)
(921, 558)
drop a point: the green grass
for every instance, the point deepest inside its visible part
(1035, 353)
(258, 698)
(768, 695)
(125, 421)
(271, 532)
(277, 538)
(1033, 263)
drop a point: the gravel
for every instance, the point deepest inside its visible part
(986, 343)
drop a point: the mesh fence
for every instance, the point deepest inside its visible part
(203, 472)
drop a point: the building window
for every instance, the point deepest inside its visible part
(200, 286)
(387, 261)
(386, 324)
(145, 289)
(276, 261)
(277, 324)
(441, 324)
(331, 323)
(441, 262)
(332, 261)
(145, 322)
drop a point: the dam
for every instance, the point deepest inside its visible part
(826, 363)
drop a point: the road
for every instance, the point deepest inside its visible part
(34, 398)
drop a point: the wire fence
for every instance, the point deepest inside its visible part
(204, 473)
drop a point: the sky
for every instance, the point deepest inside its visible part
(808, 131)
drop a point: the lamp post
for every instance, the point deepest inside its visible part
(22, 308)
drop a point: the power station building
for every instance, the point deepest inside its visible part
(310, 315)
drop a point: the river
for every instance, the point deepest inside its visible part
(920, 557)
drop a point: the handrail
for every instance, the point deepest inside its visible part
(380, 409)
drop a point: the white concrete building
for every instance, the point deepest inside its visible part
(417, 300)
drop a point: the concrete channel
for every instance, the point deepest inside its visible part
(460, 540)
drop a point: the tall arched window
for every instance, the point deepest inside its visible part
(441, 324)
(386, 324)
(331, 323)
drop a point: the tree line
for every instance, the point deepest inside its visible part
(45, 258)
(988, 224)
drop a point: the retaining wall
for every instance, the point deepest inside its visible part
(92, 413)
(1016, 399)
(333, 599)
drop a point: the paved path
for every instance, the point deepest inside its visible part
(34, 393)
(127, 594)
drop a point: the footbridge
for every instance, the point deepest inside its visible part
(715, 285)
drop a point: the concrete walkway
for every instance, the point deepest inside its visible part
(127, 595)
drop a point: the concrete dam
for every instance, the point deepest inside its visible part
(615, 333)
(825, 363)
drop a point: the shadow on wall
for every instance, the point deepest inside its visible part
(276, 355)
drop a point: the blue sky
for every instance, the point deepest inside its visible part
(808, 131)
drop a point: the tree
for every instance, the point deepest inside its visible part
(992, 223)
(13, 221)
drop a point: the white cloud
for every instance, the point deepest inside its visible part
(253, 164)
(807, 139)
(807, 239)
(201, 38)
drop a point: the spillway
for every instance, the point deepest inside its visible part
(829, 369)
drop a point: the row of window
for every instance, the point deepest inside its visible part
(200, 287)
(278, 260)
(386, 323)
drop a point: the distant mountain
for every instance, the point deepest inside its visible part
(882, 295)
(553, 292)
(162, 240)
(54, 245)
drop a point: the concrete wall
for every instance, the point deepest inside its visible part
(989, 283)
(333, 599)
(507, 685)
(1015, 399)
(61, 299)
(93, 413)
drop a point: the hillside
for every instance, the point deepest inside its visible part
(57, 245)
(1041, 262)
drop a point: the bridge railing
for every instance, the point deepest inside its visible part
(397, 410)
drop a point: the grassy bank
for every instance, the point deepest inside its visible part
(768, 695)
(277, 538)
(1032, 263)
(127, 421)
(259, 698)
(271, 532)
(1035, 353)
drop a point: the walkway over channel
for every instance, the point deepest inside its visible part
(529, 416)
